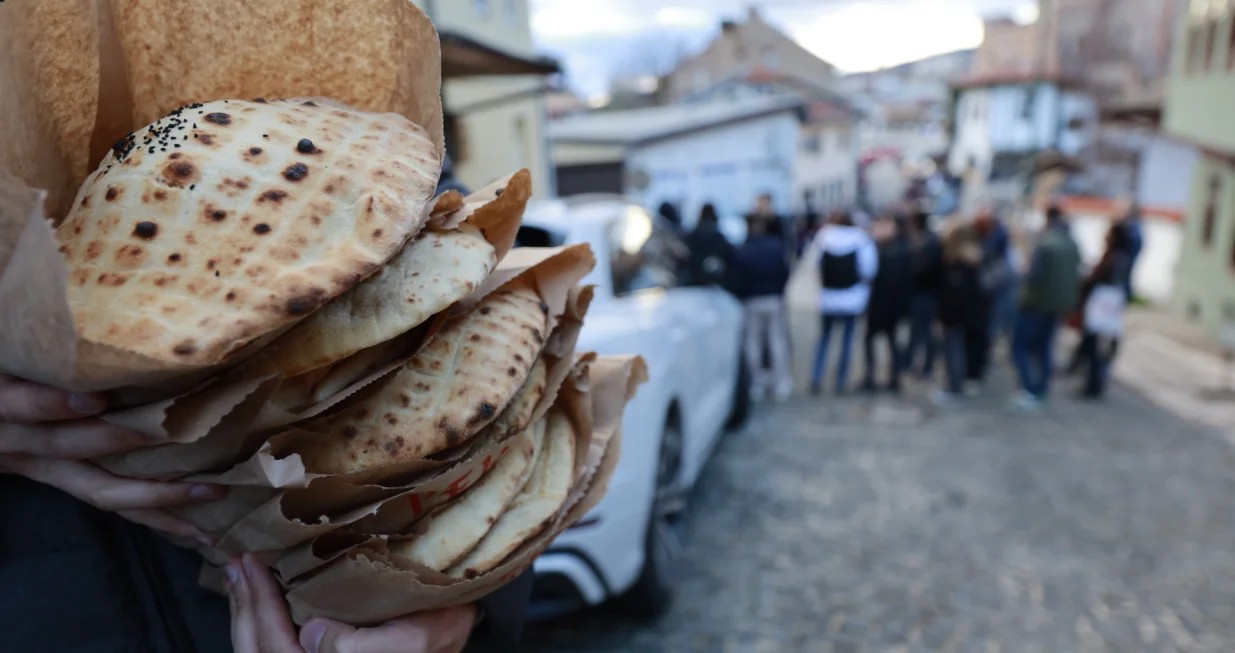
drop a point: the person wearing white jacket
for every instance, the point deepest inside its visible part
(848, 262)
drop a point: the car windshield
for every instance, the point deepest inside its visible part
(536, 237)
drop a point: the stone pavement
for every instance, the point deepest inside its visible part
(858, 524)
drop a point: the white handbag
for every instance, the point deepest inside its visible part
(1104, 310)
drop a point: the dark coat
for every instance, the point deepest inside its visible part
(927, 265)
(759, 268)
(962, 300)
(893, 285)
(708, 247)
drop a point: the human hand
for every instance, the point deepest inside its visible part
(261, 623)
(46, 434)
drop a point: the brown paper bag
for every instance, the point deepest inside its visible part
(367, 585)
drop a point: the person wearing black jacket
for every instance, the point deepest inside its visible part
(964, 310)
(924, 301)
(710, 251)
(889, 302)
(758, 277)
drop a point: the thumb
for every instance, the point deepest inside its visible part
(322, 635)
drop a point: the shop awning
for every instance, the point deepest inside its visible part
(463, 56)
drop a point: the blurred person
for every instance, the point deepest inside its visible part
(923, 302)
(1049, 291)
(963, 310)
(448, 180)
(759, 276)
(810, 227)
(848, 262)
(1104, 298)
(889, 300)
(1133, 225)
(994, 277)
(671, 215)
(710, 251)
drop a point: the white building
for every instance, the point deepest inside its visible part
(826, 168)
(1001, 122)
(725, 153)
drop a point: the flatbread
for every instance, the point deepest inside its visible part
(439, 267)
(457, 528)
(447, 392)
(534, 507)
(514, 419)
(226, 221)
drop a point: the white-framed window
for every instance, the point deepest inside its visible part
(513, 11)
(483, 8)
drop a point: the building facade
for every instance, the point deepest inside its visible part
(1199, 94)
(742, 47)
(725, 154)
(495, 123)
(826, 168)
(1000, 123)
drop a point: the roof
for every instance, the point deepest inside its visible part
(655, 123)
(464, 56)
(1013, 77)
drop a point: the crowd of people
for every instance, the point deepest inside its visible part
(925, 293)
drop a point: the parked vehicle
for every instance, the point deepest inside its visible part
(628, 547)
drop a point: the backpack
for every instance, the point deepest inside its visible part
(839, 271)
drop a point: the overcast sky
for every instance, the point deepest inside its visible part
(597, 38)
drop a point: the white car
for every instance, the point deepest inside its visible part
(629, 545)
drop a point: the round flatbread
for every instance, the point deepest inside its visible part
(450, 390)
(227, 221)
(457, 528)
(534, 507)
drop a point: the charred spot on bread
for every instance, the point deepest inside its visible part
(146, 230)
(111, 194)
(186, 348)
(306, 146)
(261, 228)
(274, 195)
(219, 118)
(296, 172)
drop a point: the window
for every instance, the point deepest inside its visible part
(514, 12)
(1027, 104)
(811, 144)
(483, 8)
(1210, 216)
(644, 253)
(701, 79)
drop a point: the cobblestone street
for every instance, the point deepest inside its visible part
(862, 524)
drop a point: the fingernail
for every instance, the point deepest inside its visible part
(205, 491)
(311, 635)
(205, 540)
(234, 574)
(87, 403)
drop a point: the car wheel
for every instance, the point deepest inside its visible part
(741, 397)
(653, 591)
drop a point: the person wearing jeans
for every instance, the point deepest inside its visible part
(758, 276)
(924, 302)
(848, 263)
(1105, 295)
(963, 311)
(1049, 292)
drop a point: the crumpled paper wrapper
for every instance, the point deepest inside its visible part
(352, 576)
(133, 61)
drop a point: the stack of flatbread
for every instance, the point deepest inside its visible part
(241, 273)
